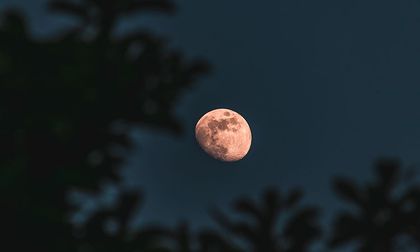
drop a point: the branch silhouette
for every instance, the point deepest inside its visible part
(102, 16)
(66, 106)
(383, 214)
(261, 231)
(60, 102)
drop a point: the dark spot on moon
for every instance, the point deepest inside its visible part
(233, 120)
(219, 151)
(230, 124)
(226, 113)
(221, 125)
(212, 124)
(207, 137)
(235, 125)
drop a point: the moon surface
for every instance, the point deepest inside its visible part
(224, 135)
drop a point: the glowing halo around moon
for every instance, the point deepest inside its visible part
(224, 134)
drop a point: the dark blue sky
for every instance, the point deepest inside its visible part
(327, 86)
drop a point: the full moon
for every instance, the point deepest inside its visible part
(224, 135)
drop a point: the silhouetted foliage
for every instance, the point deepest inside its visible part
(66, 106)
(261, 230)
(384, 212)
(212, 241)
(60, 102)
(102, 16)
(109, 230)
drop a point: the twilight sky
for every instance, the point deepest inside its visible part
(326, 86)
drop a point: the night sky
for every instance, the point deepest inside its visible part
(326, 86)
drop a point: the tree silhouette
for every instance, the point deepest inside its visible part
(212, 241)
(66, 106)
(117, 236)
(384, 211)
(261, 231)
(102, 15)
(60, 102)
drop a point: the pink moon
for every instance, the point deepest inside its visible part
(224, 134)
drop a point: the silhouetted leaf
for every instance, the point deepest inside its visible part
(164, 6)
(70, 8)
(347, 190)
(294, 197)
(247, 207)
(14, 22)
(380, 216)
(211, 241)
(347, 228)
(260, 230)
(272, 200)
(388, 171)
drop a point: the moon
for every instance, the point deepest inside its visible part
(224, 134)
